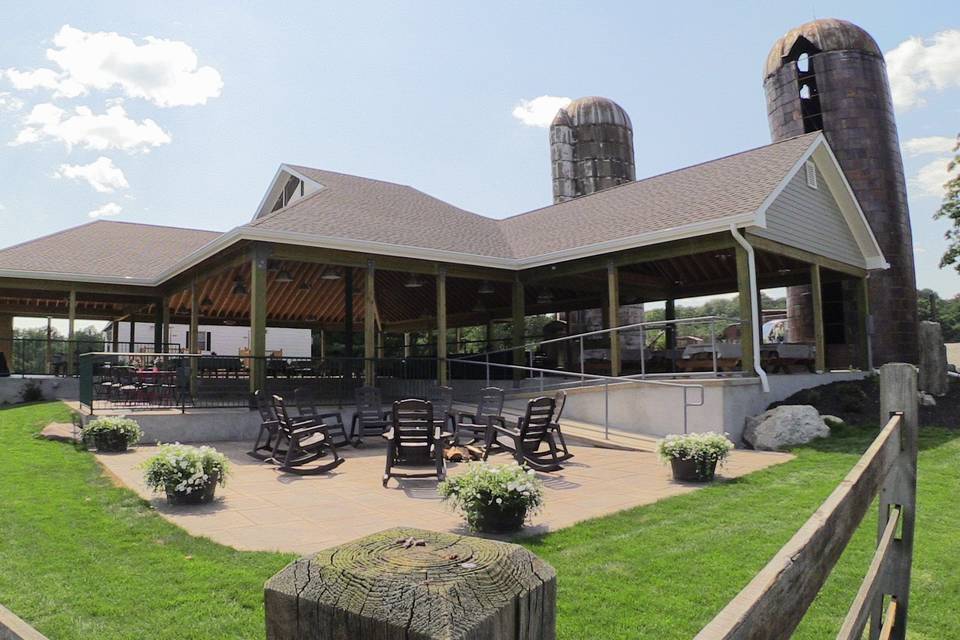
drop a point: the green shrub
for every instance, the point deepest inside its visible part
(31, 392)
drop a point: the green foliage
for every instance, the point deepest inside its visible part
(179, 467)
(123, 427)
(31, 391)
(930, 306)
(950, 210)
(484, 486)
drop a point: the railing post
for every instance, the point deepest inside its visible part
(582, 369)
(898, 394)
(606, 410)
(488, 369)
(713, 344)
(643, 357)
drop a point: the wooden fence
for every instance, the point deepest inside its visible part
(775, 601)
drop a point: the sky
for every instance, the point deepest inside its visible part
(179, 113)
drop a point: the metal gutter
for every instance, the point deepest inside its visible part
(754, 304)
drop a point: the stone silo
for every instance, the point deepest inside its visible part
(830, 75)
(591, 148)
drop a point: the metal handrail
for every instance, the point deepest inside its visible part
(607, 381)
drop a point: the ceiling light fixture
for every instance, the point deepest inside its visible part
(239, 287)
(330, 274)
(413, 282)
(284, 276)
(486, 288)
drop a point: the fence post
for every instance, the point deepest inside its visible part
(898, 394)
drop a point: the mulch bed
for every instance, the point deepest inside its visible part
(858, 403)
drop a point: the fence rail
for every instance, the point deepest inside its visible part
(61, 356)
(774, 602)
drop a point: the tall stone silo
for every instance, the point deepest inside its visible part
(830, 75)
(591, 148)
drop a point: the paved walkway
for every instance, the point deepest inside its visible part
(263, 509)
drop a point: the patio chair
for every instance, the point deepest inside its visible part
(369, 419)
(264, 448)
(442, 399)
(333, 419)
(307, 441)
(525, 438)
(414, 440)
(490, 407)
(559, 400)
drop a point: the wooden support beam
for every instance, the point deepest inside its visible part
(613, 316)
(670, 313)
(193, 338)
(746, 311)
(132, 343)
(348, 312)
(71, 327)
(442, 326)
(519, 326)
(64, 285)
(771, 246)
(369, 323)
(406, 344)
(158, 341)
(819, 339)
(116, 335)
(165, 321)
(258, 316)
(863, 325)
(6, 339)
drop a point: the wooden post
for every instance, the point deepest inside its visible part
(518, 328)
(425, 591)
(670, 313)
(442, 326)
(116, 336)
(613, 315)
(71, 326)
(165, 323)
(48, 353)
(258, 318)
(132, 344)
(369, 324)
(158, 340)
(348, 312)
(6, 340)
(407, 347)
(323, 344)
(193, 343)
(488, 335)
(898, 394)
(746, 311)
(863, 325)
(816, 295)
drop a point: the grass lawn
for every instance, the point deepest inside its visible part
(82, 559)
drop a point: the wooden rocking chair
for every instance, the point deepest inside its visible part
(307, 410)
(490, 407)
(525, 439)
(559, 400)
(369, 419)
(415, 440)
(268, 437)
(442, 399)
(307, 441)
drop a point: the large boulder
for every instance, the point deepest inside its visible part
(785, 426)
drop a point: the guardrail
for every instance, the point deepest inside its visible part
(775, 601)
(60, 356)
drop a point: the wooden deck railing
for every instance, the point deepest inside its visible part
(772, 605)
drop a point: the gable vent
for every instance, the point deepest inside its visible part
(811, 169)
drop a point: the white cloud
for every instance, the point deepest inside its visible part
(110, 130)
(929, 145)
(109, 209)
(9, 102)
(918, 65)
(164, 72)
(102, 174)
(539, 112)
(932, 176)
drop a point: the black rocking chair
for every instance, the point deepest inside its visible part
(559, 400)
(490, 407)
(333, 419)
(415, 440)
(370, 419)
(268, 437)
(525, 439)
(307, 441)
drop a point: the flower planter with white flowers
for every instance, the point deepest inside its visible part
(188, 475)
(694, 457)
(494, 499)
(112, 435)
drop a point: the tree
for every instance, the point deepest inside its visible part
(950, 209)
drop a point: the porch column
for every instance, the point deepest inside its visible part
(348, 312)
(258, 317)
(747, 320)
(820, 343)
(48, 353)
(670, 313)
(165, 324)
(518, 328)
(613, 315)
(6, 339)
(442, 326)
(863, 325)
(323, 344)
(406, 345)
(116, 336)
(132, 344)
(158, 326)
(369, 324)
(488, 335)
(71, 326)
(193, 343)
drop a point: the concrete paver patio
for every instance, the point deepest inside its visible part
(264, 509)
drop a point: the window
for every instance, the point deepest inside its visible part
(811, 169)
(203, 342)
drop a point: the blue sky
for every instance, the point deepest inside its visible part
(419, 93)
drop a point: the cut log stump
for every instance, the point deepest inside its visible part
(414, 584)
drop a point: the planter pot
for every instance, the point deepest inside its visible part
(496, 520)
(692, 471)
(110, 442)
(197, 496)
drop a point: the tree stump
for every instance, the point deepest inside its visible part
(410, 584)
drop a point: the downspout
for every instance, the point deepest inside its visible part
(754, 304)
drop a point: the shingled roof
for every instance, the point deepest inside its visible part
(106, 249)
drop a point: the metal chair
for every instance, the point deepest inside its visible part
(414, 440)
(489, 407)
